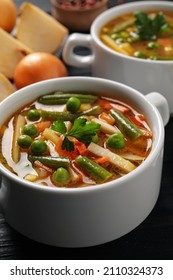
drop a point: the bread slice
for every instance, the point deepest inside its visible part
(39, 30)
(11, 52)
(6, 87)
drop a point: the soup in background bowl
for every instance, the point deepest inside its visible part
(143, 74)
(144, 35)
(80, 216)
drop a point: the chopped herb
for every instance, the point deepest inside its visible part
(82, 130)
(67, 144)
(148, 26)
(59, 126)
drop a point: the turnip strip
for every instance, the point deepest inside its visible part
(105, 127)
(18, 126)
(114, 159)
(73, 175)
(51, 135)
(121, 26)
(132, 157)
(111, 43)
(31, 177)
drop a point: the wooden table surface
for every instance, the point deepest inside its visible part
(153, 239)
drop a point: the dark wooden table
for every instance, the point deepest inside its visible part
(153, 239)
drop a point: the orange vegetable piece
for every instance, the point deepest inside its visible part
(101, 160)
(165, 41)
(121, 108)
(41, 165)
(42, 125)
(71, 155)
(82, 149)
(105, 104)
(106, 117)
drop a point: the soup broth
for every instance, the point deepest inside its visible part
(74, 140)
(145, 35)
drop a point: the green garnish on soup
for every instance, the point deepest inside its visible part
(142, 34)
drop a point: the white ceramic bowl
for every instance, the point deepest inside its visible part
(92, 215)
(143, 75)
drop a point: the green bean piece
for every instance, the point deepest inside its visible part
(96, 171)
(52, 162)
(95, 110)
(95, 139)
(61, 98)
(53, 116)
(67, 116)
(61, 176)
(162, 57)
(125, 125)
(122, 26)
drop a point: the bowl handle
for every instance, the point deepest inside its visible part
(160, 102)
(0, 192)
(73, 41)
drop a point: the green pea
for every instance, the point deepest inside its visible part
(116, 141)
(38, 147)
(30, 129)
(33, 115)
(24, 141)
(73, 104)
(140, 54)
(61, 176)
(124, 34)
(115, 36)
(121, 40)
(153, 45)
(133, 39)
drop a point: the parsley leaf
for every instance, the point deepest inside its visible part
(59, 126)
(83, 130)
(148, 26)
(67, 144)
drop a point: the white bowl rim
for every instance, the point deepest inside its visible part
(106, 17)
(107, 185)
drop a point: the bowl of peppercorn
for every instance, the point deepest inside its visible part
(77, 15)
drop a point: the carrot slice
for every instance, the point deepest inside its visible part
(42, 125)
(82, 149)
(41, 165)
(101, 160)
(136, 120)
(165, 41)
(105, 104)
(121, 108)
(71, 155)
(106, 117)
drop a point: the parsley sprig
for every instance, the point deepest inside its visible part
(82, 130)
(148, 26)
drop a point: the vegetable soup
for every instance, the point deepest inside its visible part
(74, 140)
(146, 35)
